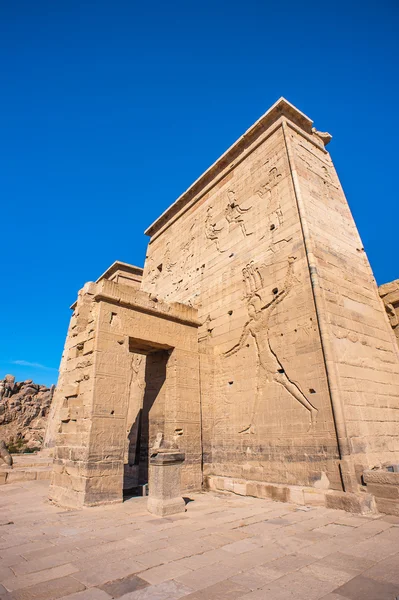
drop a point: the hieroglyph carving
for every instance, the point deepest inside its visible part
(234, 213)
(269, 367)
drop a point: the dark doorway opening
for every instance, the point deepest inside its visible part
(149, 419)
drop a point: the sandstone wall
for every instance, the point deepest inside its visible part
(361, 356)
(299, 370)
(238, 255)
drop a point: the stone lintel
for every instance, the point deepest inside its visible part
(124, 295)
(281, 108)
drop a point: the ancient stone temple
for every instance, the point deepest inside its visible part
(255, 338)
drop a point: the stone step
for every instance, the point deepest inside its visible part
(13, 475)
(26, 467)
(31, 460)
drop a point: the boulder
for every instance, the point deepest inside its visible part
(23, 414)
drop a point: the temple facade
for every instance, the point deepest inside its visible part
(255, 338)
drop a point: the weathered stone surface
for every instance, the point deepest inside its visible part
(164, 479)
(120, 587)
(387, 506)
(382, 477)
(24, 407)
(363, 587)
(389, 293)
(5, 457)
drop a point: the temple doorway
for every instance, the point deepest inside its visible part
(146, 411)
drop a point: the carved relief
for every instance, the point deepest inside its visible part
(211, 231)
(276, 246)
(270, 190)
(154, 271)
(320, 169)
(207, 330)
(167, 259)
(135, 395)
(269, 367)
(234, 213)
(186, 254)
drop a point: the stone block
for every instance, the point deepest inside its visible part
(384, 491)
(70, 390)
(49, 590)
(356, 503)
(164, 482)
(387, 506)
(296, 496)
(240, 488)
(16, 475)
(88, 346)
(381, 477)
(314, 497)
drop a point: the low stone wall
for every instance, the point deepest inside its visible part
(361, 503)
(384, 486)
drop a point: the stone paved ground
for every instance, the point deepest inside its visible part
(223, 547)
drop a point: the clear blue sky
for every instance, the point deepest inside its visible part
(109, 110)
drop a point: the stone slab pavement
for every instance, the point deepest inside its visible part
(223, 547)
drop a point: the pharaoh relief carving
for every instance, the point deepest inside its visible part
(211, 231)
(234, 213)
(135, 367)
(206, 330)
(268, 368)
(167, 259)
(136, 391)
(276, 245)
(154, 271)
(185, 264)
(270, 190)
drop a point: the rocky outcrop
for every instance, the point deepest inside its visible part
(24, 408)
(389, 293)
